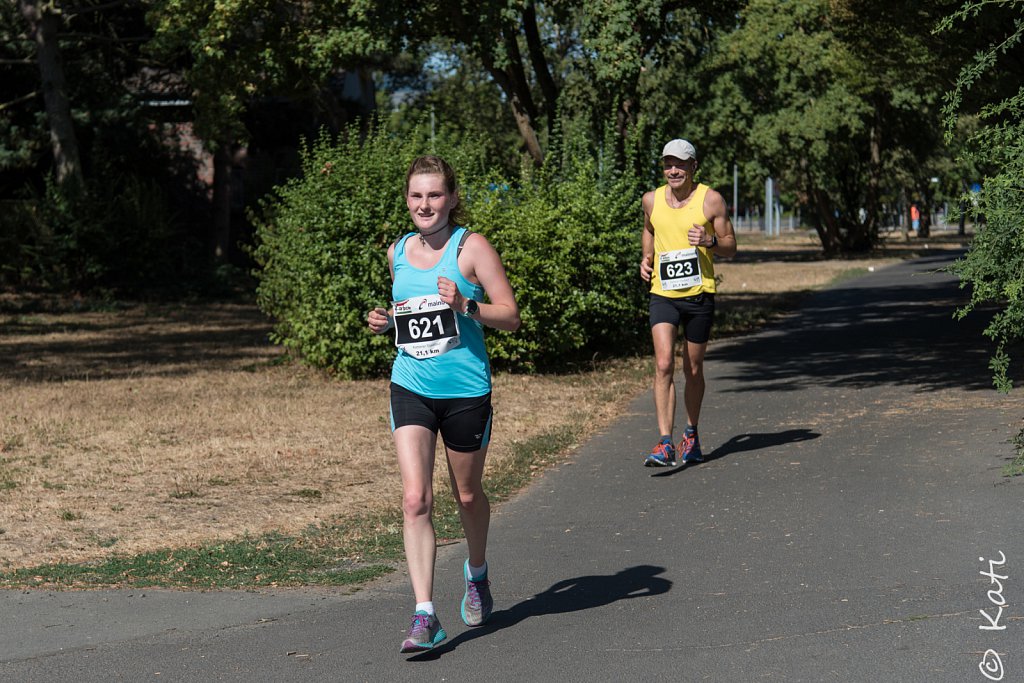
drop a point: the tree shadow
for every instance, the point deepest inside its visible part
(570, 595)
(895, 327)
(747, 442)
(159, 340)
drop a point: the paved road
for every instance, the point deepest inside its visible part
(834, 535)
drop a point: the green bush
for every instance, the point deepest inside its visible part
(570, 242)
(993, 268)
(569, 238)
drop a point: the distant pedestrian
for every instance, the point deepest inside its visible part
(686, 224)
(915, 217)
(441, 381)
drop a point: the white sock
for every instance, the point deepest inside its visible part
(427, 607)
(476, 573)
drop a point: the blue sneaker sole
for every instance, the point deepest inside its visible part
(410, 646)
(462, 606)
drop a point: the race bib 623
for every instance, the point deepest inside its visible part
(679, 269)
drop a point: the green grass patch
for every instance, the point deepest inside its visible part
(1015, 467)
(347, 553)
(848, 275)
(323, 556)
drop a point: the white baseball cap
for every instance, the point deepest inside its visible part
(681, 149)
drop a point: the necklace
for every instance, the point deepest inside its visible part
(421, 235)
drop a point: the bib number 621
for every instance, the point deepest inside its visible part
(425, 326)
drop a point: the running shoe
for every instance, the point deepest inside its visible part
(690, 447)
(477, 603)
(662, 455)
(424, 633)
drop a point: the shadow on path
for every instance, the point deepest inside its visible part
(895, 327)
(570, 595)
(748, 442)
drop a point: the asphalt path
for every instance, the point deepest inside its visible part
(838, 532)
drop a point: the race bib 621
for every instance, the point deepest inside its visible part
(425, 326)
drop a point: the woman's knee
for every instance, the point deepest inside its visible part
(471, 501)
(416, 504)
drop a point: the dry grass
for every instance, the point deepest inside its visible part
(156, 426)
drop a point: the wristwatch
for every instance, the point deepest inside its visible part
(472, 307)
(714, 241)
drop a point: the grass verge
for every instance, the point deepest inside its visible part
(1015, 467)
(349, 553)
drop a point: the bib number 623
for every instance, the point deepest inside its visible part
(679, 269)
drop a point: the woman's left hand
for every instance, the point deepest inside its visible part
(450, 294)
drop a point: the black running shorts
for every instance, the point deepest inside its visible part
(695, 313)
(464, 423)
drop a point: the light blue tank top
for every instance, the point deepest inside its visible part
(463, 372)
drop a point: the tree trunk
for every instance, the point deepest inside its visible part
(828, 226)
(926, 220)
(539, 63)
(624, 118)
(520, 110)
(43, 27)
(872, 208)
(905, 209)
(222, 169)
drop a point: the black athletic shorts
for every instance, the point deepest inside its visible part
(695, 313)
(464, 423)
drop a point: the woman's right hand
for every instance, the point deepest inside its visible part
(378, 320)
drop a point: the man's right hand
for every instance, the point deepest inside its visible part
(646, 269)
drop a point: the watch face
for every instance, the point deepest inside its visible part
(472, 307)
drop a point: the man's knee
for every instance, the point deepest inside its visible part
(693, 369)
(664, 365)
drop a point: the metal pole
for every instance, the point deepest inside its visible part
(768, 206)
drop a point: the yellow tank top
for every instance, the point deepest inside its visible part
(680, 269)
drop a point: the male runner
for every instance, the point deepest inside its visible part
(685, 225)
